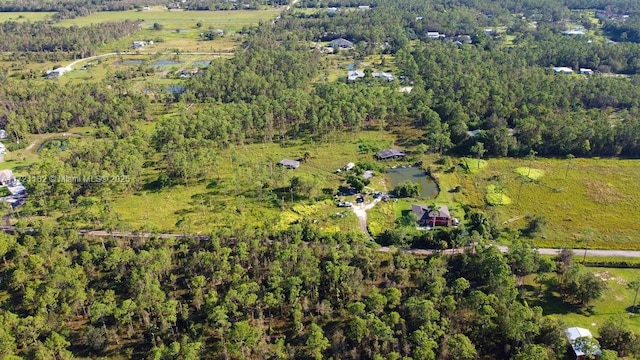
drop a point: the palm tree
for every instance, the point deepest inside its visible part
(433, 208)
(634, 285)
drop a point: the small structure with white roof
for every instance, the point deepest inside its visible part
(575, 333)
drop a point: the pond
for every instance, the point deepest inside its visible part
(176, 89)
(166, 63)
(55, 143)
(428, 188)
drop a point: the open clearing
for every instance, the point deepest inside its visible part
(25, 16)
(232, 20)
(615, 302)
(594, 199)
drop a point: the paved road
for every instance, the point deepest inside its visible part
(504, 249)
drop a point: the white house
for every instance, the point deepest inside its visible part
(562, 70)
(354, 75)
(586, 71)
(434, 35)
(383, 75)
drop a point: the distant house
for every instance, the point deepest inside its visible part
(418, 18)
(364, 7)
(3, 134)
(341, 43)
(574, 32)
(406, 89)
(55, 73)
(428, 217)
(383, 75)
(390, 154)
(332, 10)
(146, 8)
(562, 70)
(585, 71)
(138, 44)
(289, 164)
(349, 166)
(367, 174)
(354, 75)
(574, 333)
(435, 35)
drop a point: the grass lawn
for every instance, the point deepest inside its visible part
(25, 16)
(615, 302)
(594, 198)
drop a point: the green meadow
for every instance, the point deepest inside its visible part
(615, 302)
(232, 20)
(25, 16)
(591, 201)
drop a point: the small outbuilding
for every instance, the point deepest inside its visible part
(390, 154)
(289, 164)
(349, 166)
(573, 335)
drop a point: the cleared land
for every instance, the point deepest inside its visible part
(594, 200)
(615, 302)
(25, 16)
(233, 193)
(233, 20)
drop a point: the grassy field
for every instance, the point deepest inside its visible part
(594, 199)
(25, 16)
(615, 303)
(179, 19)
(232, 193)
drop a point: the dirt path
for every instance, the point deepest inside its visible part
(361, 212)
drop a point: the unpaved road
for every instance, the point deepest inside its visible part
(361, 212)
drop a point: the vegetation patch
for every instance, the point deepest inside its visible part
(496, 196)
(604, 193)
(530, 173)
(473, 166)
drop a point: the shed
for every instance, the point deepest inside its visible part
(289, 164)
(574, 333)
(390, 154)
(349, 166)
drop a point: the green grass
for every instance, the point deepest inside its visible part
(585, 196)
(25, 16)
(230, 194)
(497, 197)
(179, 19)
(529, 173)
(615, 302)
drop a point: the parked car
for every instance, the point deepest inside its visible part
(345, 204)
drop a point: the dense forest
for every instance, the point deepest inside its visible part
(43, 37)
(243, 295)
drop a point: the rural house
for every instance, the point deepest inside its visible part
(428, 217)
(573, 334)
(341, 43)
(390, 154)
(289, 164)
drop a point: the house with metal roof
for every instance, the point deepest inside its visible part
(289, 164)
(390, 154)
(574, 335)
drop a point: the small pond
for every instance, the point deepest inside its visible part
(55, 143)
(129, 62)
(166, 63)
(428, 188)
(351, 66)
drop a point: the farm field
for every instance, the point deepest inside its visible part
(594, 199)
(615, 302)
